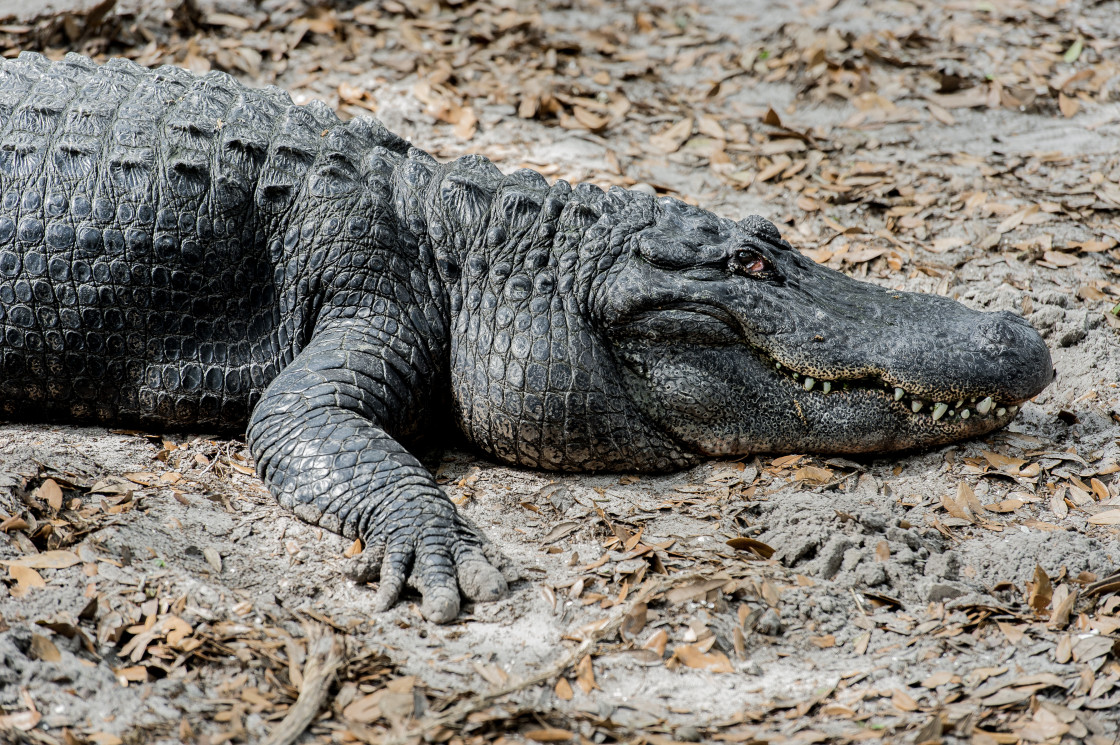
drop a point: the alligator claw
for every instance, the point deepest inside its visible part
(444, 565)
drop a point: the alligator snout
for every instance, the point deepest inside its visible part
(1019, 358)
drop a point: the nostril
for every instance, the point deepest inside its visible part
(1002, 331)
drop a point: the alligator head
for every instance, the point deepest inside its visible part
(731, 341)
(618, 331)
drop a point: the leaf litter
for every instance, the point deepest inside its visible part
(969, 594)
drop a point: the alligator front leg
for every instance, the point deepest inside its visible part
(325, 438)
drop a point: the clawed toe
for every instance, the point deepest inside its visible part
(480, 581)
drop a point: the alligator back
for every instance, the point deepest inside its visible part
(157, 236)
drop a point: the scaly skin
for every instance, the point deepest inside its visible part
(180, 251)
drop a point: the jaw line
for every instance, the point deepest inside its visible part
(984, 413)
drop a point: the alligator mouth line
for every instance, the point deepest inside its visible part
(962, 410)
(948, 411)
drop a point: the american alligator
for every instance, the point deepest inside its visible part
(185, 252)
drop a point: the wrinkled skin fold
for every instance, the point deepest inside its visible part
(338, 293)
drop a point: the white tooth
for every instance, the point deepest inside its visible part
(1012, 410)
(972, 400)
(964, 414)
(939, 410)
(778, 365)
(916, 405)
(898, 394)
(984, 406)
(808, 383)
(826, 386)
(959, 404)
(1001, 411)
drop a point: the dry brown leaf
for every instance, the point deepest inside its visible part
(656, 642)
(1042, 592)
(708, 125)
(1108, 517)
(493, 674)
(671, 138)
(1064, 651)
(589, 119)
(1068, 106)
(823, 642)
(549, 734)
(1058, 503)
(44, 649)
(772, 170)
(813, 475)
(45, 560)
(903, 701)
(1013, 632)
(1063, 607)
(1007, 505)
(353, 549)
(690, 655)
(26, 578)
(177, 630)
(838, 710)
(366, 709)
(956, 506)
(742, 543)
(941, 114)
(585, 675)
(1016, 219)
(1058, 258)
(467, 124)
(51, 493)
(564, 690)
(213, 558)
(144, 478)
(132, 674)
(785, 461)
(940, 678)
(635, 621)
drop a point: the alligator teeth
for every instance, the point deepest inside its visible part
(938, 410)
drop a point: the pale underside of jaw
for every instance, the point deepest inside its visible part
(974, 407)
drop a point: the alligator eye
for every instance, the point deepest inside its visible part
(748, 263)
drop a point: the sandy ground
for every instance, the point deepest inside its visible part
(946, 596)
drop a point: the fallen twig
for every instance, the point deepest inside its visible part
(324, 658)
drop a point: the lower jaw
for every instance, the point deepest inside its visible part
(836, 437)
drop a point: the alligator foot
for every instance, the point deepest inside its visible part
(443, 558)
